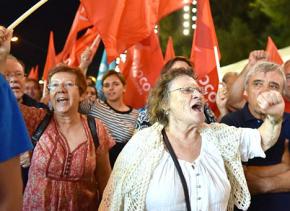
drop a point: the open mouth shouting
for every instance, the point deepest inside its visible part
(198, 106)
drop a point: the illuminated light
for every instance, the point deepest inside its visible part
(41, 82)
(186, 24)
(186, 1)
(186, 32)
(194, 10)
(194, 18)
(193, 26)
(156, 29)
(123, 56)
(186, 8)
(186, 16)
(14, 39)
(194, 2)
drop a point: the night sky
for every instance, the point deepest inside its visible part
(33, 33)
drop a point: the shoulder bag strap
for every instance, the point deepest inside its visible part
(41, 127)
(92, 126)
(179, 170)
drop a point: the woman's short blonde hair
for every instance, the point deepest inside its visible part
(158, 97)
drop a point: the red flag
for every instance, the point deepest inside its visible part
(141, 70)
(273, 52)
(33, 74)
(202, 52)
(168, 6)
(50, 57)
(80, 22)
(169, 54)
(90, 39)
(123, 23)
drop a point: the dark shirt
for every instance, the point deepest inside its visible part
(271, 201)
(26, 100)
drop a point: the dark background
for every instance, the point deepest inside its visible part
(33, 32)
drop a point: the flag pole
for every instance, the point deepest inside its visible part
(26, 14)
(96, 41)
(218, 67)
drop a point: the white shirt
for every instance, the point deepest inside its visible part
(206, 178)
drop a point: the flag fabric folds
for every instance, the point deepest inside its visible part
(80, 23)
(90, 39)
(273, 52)
(122, 23)
(50, 57)
(169, 53)
(141, 70)
(202, 52)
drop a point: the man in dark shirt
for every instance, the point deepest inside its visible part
(268, 179)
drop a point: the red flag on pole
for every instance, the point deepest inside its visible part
(169, 54)
(123, 23)
(202, 52)
(80, 22)
(33, 73)
(142, 68)
(273, 52)
(90, 39)
(50, 57)
(168, 6)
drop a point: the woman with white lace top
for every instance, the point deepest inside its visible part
(182, 163)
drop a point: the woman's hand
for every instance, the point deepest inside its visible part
(222, 99)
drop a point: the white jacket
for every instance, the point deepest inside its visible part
(129, 181)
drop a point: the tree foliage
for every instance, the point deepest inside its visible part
(241, 26)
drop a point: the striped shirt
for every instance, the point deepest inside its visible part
(120, 124)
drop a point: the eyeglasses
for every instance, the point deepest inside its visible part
(18, 75)
(54, 85)
(190, 90)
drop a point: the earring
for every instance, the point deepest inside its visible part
(166, 112)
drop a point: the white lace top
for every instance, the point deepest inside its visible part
(206, 178)
(144, 177)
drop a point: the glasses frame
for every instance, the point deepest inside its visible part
(18, 75)
(66, 84)
(190, 90)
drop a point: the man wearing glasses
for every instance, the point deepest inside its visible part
(14, 73)
(15, 76)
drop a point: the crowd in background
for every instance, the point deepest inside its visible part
(79, 152)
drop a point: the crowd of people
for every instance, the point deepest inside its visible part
(64, 148)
